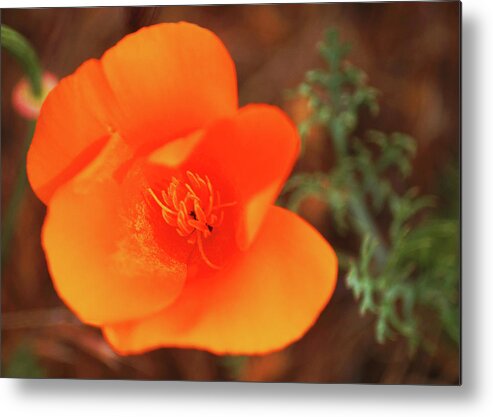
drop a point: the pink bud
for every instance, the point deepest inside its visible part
(24, 101)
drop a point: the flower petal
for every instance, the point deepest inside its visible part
(155, 85)
(75, 122)
(265, 300)
(170, 79)
(107, 260)
(251, 153)
(256, 151)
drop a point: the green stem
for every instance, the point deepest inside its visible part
(10, 216)
(18, 46)
(361, 216)
(366, 226)
(21, 49)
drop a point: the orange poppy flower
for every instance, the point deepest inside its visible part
(160, 224)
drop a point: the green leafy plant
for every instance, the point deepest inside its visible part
(406, 272)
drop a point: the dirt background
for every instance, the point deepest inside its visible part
(411, 54)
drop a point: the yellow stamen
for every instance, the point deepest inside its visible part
(193, 209)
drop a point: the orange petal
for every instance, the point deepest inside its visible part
(159, 83)
(170, 79)
(268, 298)
(106, 257)
(250, 155)
(76, 120)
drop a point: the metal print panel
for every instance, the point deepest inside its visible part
(232, 193)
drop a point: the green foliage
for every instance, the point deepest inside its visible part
(407, 269)
(234, 365)
(23, 364)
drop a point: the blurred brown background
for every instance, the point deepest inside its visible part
(410, 52)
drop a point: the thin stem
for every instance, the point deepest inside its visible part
(366, 226)
(18, 46)
(21, 49)
(361, 217)
(10, 217)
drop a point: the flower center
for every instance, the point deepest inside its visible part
(193, 208)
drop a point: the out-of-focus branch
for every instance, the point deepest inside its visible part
(33, 319)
